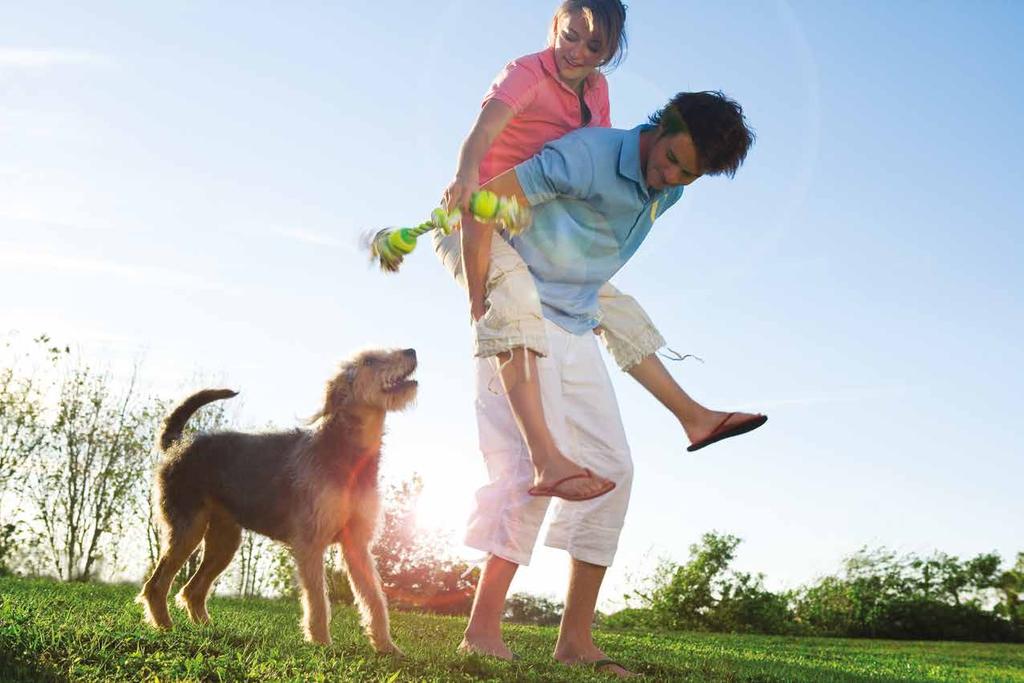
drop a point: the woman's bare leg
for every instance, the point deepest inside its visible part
(521, 381)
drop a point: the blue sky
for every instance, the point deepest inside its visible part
(186, 184)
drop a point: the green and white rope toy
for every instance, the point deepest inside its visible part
(389, 246)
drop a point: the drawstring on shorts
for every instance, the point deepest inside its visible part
(675, 355)
(669, 353)
(504, 364)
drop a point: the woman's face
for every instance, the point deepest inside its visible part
(578, 49)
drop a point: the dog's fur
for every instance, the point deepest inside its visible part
(306, 488)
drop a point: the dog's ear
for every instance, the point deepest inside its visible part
(337, 392)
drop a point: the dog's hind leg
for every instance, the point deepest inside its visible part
(182, 537)
(316, 610)
(223, 536)
(355, 545)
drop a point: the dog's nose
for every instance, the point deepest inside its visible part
(411, 353)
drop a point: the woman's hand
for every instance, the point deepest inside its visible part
(458, 192)
(477, 309)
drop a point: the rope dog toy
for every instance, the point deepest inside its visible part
(388, 247)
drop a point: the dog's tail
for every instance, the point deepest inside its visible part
(175, 422)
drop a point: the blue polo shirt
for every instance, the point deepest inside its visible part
(591, 211)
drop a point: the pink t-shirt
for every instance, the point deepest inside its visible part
(544, 109)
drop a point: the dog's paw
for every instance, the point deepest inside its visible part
(389, 649)
(195, 609)
(152, 615)
(318, 638)
(162, 624)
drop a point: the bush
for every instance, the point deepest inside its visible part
(884, 595)
(8, 542)
(704, 594)
(745, 606)
(523, 608)
(826, 608)
(631, 618)
(922, 619)
(416, 566)
(879, 594)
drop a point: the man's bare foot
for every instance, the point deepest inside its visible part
(711, 421)
(489, 647)
(557, 468)
(596, 658)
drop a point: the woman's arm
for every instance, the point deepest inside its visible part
(476, 261)
(476, 242)
(493, 118)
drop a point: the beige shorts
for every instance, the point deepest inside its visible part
(513, 315)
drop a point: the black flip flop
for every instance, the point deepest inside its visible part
(718, 433)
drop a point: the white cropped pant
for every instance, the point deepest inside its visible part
(584, 419)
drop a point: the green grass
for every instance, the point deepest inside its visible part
(87, 632)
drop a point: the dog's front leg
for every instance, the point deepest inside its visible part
(355, 545)
(316, 609)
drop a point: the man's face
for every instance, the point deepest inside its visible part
(672, 161)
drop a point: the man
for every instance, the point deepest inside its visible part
(595, 193)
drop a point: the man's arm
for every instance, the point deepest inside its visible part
(476, 242)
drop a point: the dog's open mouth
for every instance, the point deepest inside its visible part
(399, 382)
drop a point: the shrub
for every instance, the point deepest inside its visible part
(523, 608)
(704, 594)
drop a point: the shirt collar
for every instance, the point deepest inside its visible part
(629, 158)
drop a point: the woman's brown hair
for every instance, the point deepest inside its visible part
(607, 15)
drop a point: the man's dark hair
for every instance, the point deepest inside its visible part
(716, 124)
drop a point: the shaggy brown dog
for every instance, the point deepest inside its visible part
(305, 488)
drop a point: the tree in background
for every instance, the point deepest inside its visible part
(1010, 585)
(22, 433)
(523, 608)
(416, 566)
(881, 594)
(253, 564)
(8, 544)
(945, 577)
(878, 594)
(746, 606)
(83, 478)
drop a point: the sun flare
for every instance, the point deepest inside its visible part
(445, 504)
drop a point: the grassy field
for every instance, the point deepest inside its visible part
(84, 632)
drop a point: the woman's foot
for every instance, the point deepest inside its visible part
(563, 478)
(714, 425)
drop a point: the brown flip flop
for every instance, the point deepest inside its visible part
(722, 432)
(553, 491)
